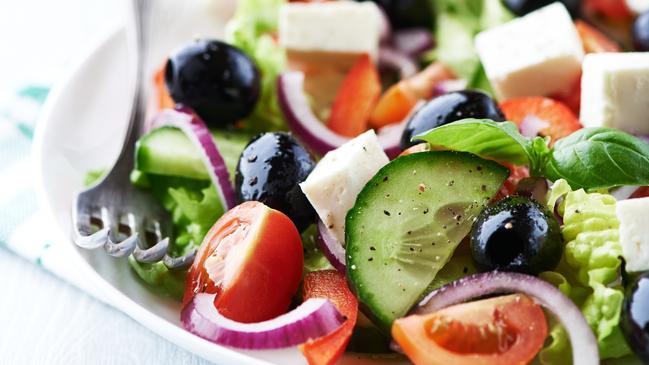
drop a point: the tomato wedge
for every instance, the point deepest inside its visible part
(560, 121)
(252, 259)
(504, 330)
(355, 99)
(332, 285)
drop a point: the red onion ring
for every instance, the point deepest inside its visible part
(390, 58)
(385, 30)
(584, 344)
(312, 319)
(320, 139)
(197, 132)
(555, 209)
(532, 125)
(448, 86)
(624, 192)
(331, 247)
(643, 137)
(413, 42)
(533, 187)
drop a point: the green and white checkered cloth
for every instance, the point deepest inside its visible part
(24, 227)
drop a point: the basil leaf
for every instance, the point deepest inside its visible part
(483, 137)
(599, 158)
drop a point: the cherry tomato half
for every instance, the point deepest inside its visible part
(504, 330)
(252, 259)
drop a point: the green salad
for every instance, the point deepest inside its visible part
(451, 182)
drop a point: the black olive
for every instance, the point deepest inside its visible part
(218, 81)
(641, 32)
(408, 13)
(269, 171)
(516, 234)
(449, 108)
(635, 317)
(522, 7)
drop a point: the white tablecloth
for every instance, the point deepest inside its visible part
(44, 320)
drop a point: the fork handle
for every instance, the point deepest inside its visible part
(137, 32)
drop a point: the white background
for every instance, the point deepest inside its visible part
(44, 320)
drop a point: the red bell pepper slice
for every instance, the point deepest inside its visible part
(355, 99)
(332, 285)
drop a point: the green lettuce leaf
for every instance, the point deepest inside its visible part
(160, 279)
(588, 271)
(194, 206)
(314, 259)
(93, 176)
(458, 21)
(250, 29)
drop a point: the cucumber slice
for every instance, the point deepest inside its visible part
(408, 220)
(167, 151)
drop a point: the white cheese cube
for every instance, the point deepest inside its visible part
(615, 91)
(345, 27)
(537, 54)
(340, 176)
(634, 233)
(638, 6)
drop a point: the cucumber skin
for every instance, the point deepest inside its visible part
(381, 319)
(153, 153)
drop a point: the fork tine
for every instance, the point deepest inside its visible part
(94, 240)
(123, 248)
(100, 204)
(153, 254)
(179, 263)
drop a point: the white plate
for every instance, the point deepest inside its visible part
(82, 129)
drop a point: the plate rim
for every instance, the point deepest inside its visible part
(105, 291)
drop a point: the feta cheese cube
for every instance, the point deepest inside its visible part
(615, 91)
(344, 27)
(340, 176)
(634, 233)
(638, 6)
(537, 54)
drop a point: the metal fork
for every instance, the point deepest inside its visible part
(113, 213)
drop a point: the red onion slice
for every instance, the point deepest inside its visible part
(624, 192)
(532, 125)
(536, 188)
(555, 209)
(385, 32)
(448, 86)
(320, 139)
(390, 58)
(390, 137)
(584, 344)
(643, 137)
(413, 42)
(197, 132)
(331, 247)
(312, 319)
